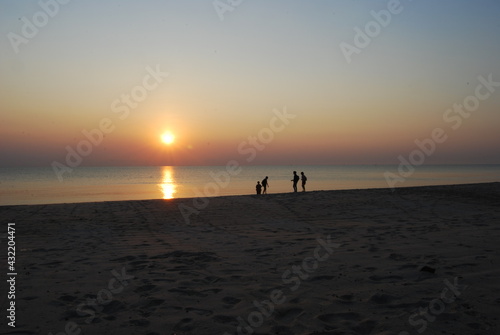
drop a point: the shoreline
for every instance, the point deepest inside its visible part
(423, 187)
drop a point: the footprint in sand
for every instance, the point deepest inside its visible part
(123, 259)
(289, 315)
(199, 311)
(67, 298)
(365, 327)
(185, 325)
(334, 318)
(113, 307)
(145, 288)
(322, 278)
(397, 257)
(187, 292)
(230, 301)
(140, 323)
(381, 298)
(225, 319)
(31, 297)
(153, 303)
(281, 330)
(389, 279)
(139, 265)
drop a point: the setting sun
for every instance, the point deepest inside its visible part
(167, 138)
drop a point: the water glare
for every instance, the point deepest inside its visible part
(167, 185)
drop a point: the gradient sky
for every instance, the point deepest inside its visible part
(225, 78)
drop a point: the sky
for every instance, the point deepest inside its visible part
(97, 83)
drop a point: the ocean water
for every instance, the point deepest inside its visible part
(21, 186)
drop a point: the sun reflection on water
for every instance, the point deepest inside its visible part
(167, 185)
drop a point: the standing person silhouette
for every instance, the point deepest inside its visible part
(304, 179)
(295, 180)
(258, 187)
(265, 184)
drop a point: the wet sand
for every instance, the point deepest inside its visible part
(326, 262)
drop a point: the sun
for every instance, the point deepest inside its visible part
(167, 138)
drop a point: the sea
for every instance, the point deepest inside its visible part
(41, 185)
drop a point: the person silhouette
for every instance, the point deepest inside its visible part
(265, 184)
(258, 187)
(304, 180)
(295, 180)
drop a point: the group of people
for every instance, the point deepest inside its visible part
(261, 188)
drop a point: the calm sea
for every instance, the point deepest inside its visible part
(19, 186)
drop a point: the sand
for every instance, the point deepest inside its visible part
(417, 260)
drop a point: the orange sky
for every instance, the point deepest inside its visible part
(177, 67)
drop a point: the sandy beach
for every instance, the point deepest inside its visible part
(423, 260)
